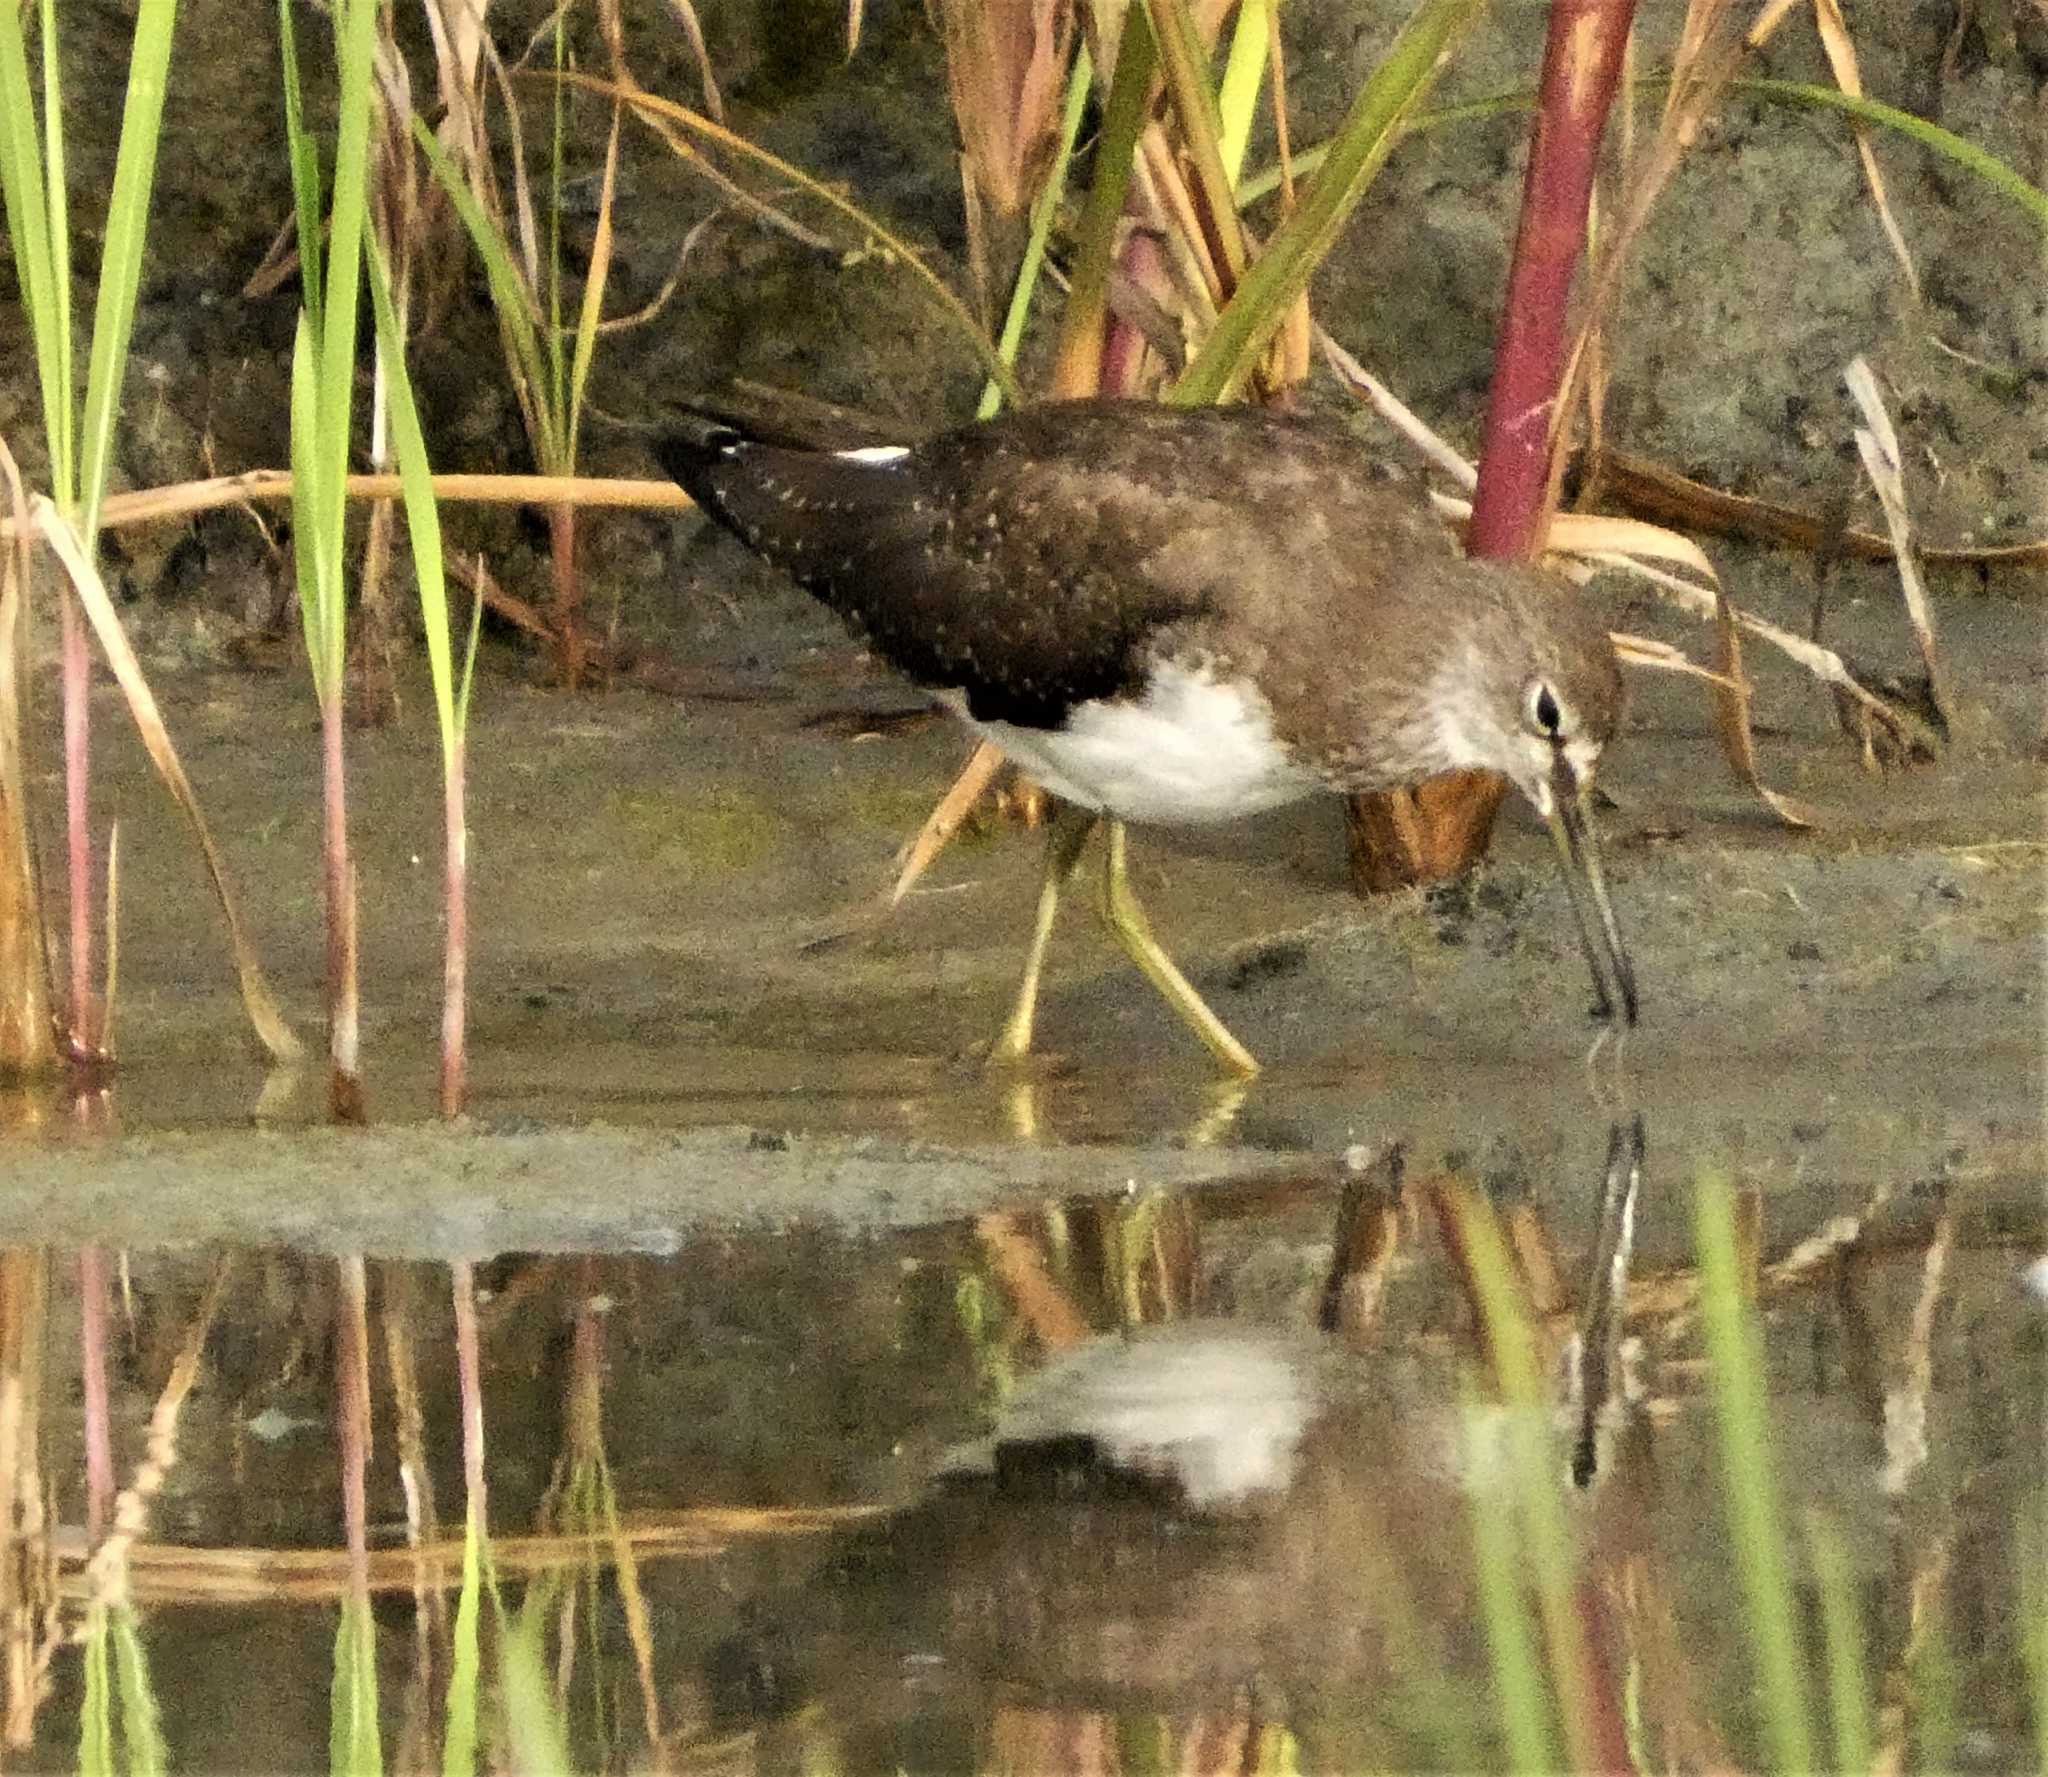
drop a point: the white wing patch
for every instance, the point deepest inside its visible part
(877, 456)
(1192, 749)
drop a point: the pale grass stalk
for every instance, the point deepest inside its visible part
(1906, 1448)
(107, 1570)
(95, 1408)
(27, 1045)
(1877, 443)
(30, 1628)
(352, 1414)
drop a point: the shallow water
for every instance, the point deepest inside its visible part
(1168, 1477)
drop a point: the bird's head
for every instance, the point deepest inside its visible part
(1542, 698)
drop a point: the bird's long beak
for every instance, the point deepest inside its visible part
(1571, 827)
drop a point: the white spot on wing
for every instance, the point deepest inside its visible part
(1192, 749)
(878, 456)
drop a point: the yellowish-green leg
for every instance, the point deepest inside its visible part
(1068, 834)
(1125, 918)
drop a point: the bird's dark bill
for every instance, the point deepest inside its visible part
(1571, 826)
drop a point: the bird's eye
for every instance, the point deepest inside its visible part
(1545, 713)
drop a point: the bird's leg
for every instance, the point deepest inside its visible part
(1063, 842)
(1125, 918)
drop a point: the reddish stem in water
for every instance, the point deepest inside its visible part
(1582, 58)
(92, 1371)
(76, 678)
(352, 1418)
(568, 596)
(455, 942)
(469, 1377)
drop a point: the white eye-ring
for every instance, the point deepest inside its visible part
(1548, 714)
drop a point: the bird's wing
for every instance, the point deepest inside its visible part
(1041, 560)
(1008, 576)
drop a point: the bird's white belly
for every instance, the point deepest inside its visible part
(1192, 749)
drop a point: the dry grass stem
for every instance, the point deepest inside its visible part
(30, 1627)
(158, 1573)
(1906, 1447)
(184, 499)
(27, 1040)
(1431, 444)
(1654, 491)
(1661, 657)
(1878, 445)
(946, 819)
(1840, 49)
(693, 28)
(1006, 67)
(257, 1000)
(1017, 1258)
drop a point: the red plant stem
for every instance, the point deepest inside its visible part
(352, 1417)
(1581, 68)
(568, 595)
(76, 678)
(92, 1371)
(1123, 346)
(469, 1377)
(455, 940)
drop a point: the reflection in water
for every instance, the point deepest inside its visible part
(1251, 1479)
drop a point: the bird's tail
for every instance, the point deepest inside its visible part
(694, 458)
(788, 498)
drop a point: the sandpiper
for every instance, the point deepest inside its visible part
(1189, 615)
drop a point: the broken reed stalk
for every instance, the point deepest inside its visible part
(1441, 827)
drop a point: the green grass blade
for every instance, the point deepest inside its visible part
(141, 1721)
(24, 189)
(1842, 1633)
(113, 322)
(355, 42)
(537, 1734)
(510, 295)
(458, 1745)
(1544, 1545)
(422, 511)
(1244, 75)
(1735, 1353)
(1519, 1683)
(2031, 1545)
(1194, 104)
(591, 310)
(1987, 167)
(476, 631)
(1279, 274)
(1934, 1682)
(558, 383)
(309, 557)
(64, 442)
(1930, 136)
(96, 1707)
(354, 1743)
(1080, 78)
(1078, 369)
(304, 155)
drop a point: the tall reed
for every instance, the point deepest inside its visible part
(322, 407)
